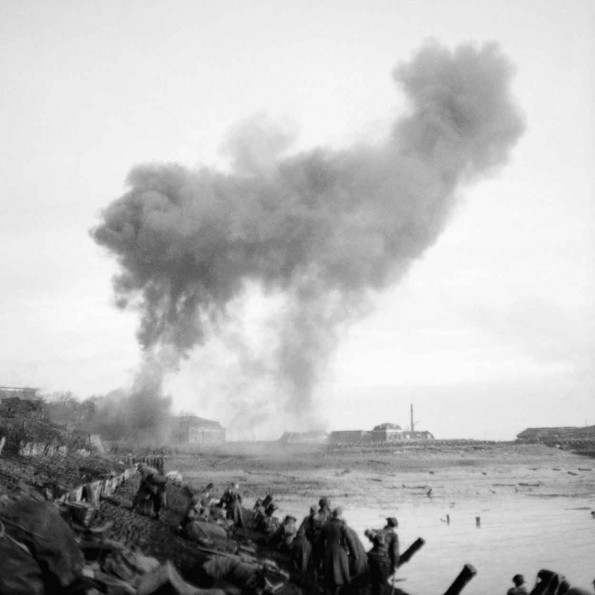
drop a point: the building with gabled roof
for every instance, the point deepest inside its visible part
(386, 432)
(191, 429)
(556, 434)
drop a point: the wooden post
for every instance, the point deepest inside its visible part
(410, 551)
(459, 583)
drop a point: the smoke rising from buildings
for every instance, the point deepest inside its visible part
(141, 412)
(326, 228)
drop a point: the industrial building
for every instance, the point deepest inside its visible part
(556, 434)
(313, 437)
(190, 429)
(23, 393)
(386, 432)
(16, 400)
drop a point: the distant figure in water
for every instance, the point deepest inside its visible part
(519, 586)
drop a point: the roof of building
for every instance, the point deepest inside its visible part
(386, 426)
(562, 431)
(193, 421)
(349, 432)
(26, 393)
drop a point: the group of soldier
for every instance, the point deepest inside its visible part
(325, 547)
(204, 507)
(548, 583)
(150, 499)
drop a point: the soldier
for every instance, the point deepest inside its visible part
(232, 501)
(392, 541)
(258, 516)
(301, 552)
(324, 510)
(519, 586)
(270, 522)
(264, 519)
(318, 520)
(285, 534)
(335, 541)
(379, 565)
(311, 525)
(206, 495)
(151, 492)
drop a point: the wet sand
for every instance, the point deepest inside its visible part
(534, 502)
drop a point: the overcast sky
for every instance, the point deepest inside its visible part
(493, 330)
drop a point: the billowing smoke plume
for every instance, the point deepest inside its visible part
(140, 413)
(324, 227)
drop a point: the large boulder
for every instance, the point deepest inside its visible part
(38, 547)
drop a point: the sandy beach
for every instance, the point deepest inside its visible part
(533, 502)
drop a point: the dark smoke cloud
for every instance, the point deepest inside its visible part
(324, 227)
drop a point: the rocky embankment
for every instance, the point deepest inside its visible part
(101, 544)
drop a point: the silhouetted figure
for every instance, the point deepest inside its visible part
(232, 501)
(392, 541)
(301, 552)
(379, 566)
(283, 537)
(324, 509)
(150, 497)
(335, 541)
(319, 519)
(519, 586)
(311, 525)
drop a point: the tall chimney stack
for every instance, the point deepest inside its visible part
(412, 423)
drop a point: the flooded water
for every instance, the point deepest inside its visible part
(534, 505)
(517, 535)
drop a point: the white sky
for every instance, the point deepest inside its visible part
(493, 331)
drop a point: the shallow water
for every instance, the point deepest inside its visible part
(518, 534)
(534, 502)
